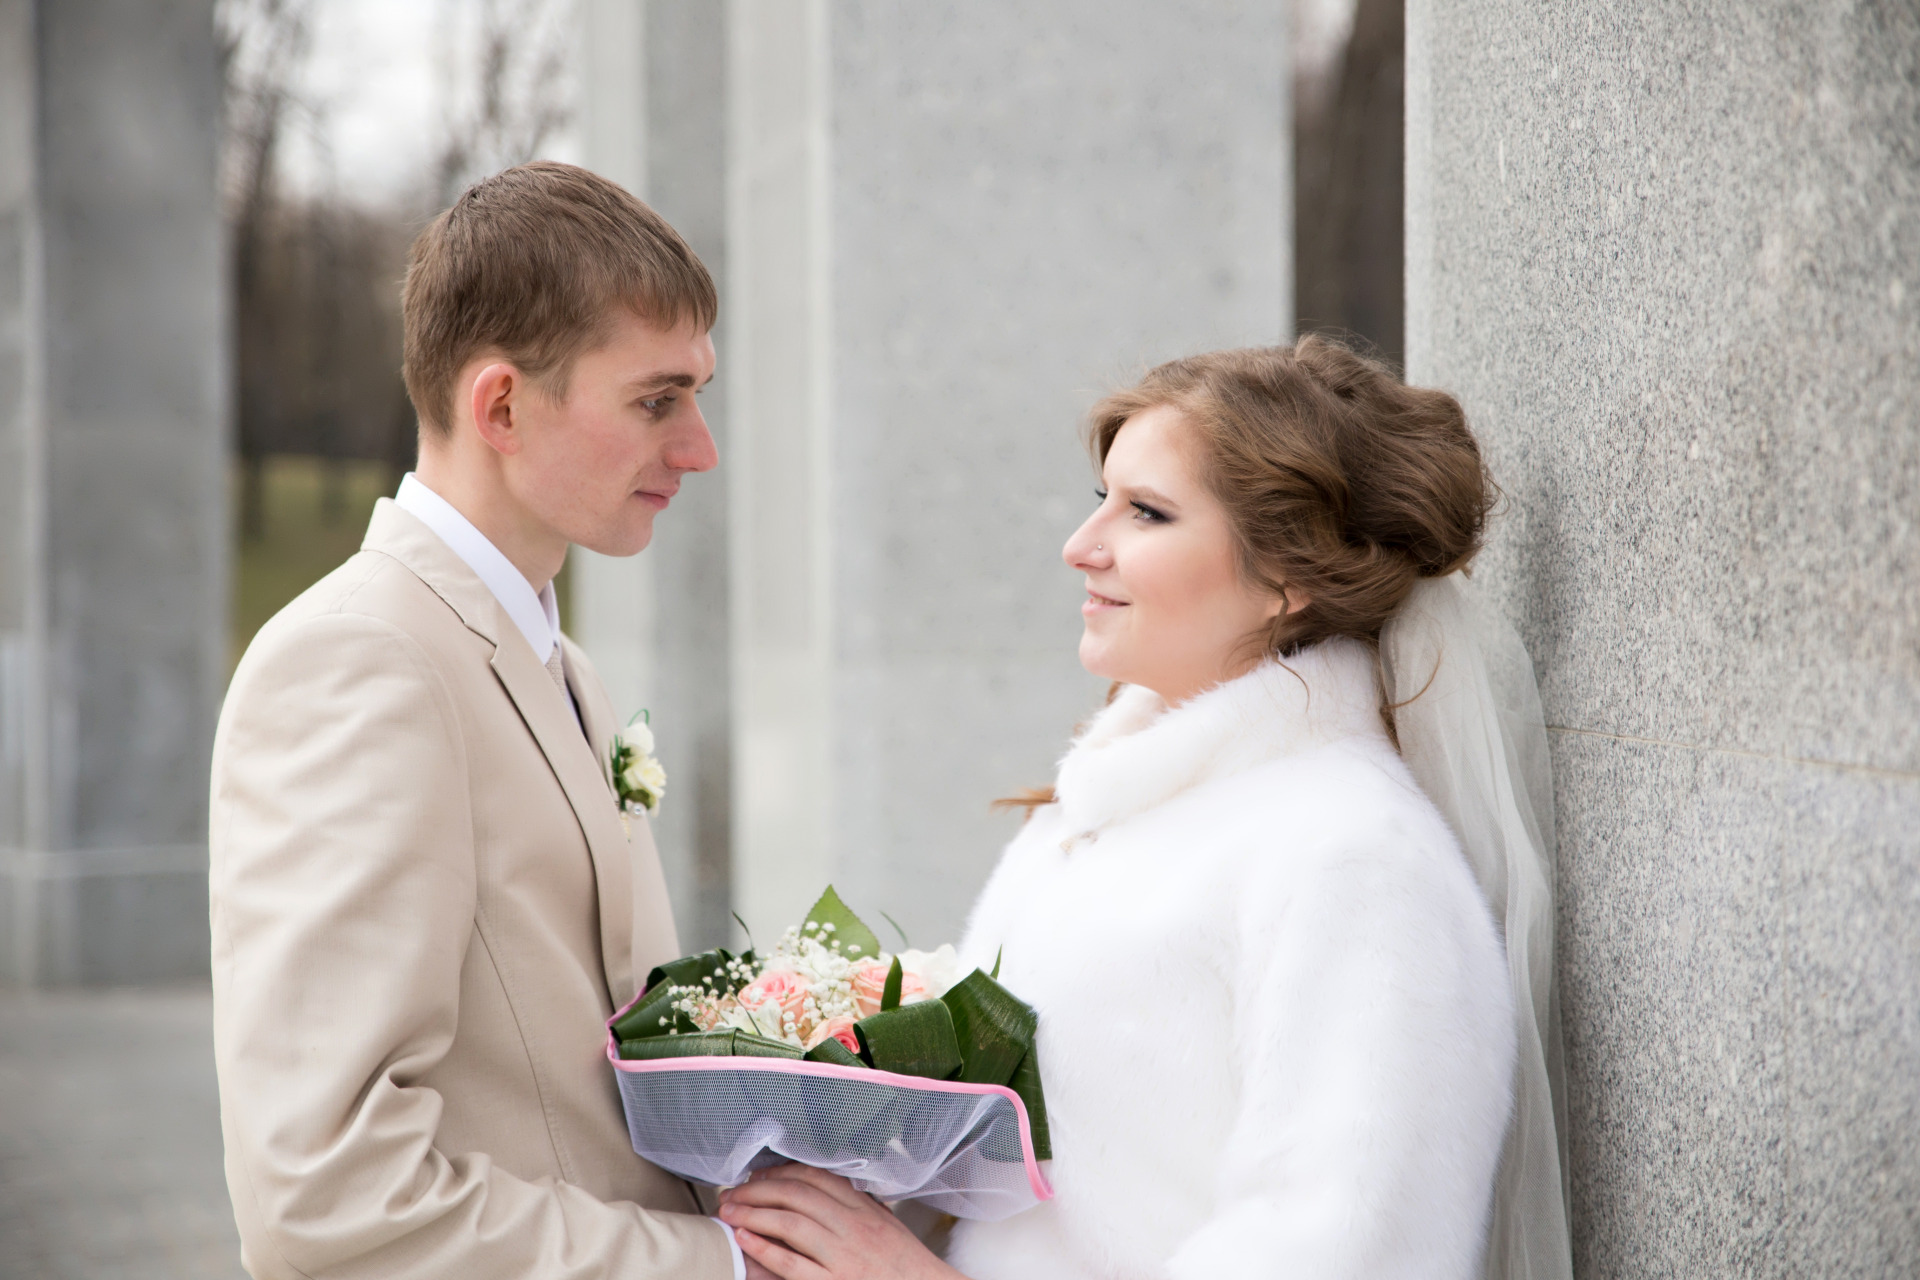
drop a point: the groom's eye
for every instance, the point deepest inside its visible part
(658, 405)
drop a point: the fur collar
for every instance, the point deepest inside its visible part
(1138, 753)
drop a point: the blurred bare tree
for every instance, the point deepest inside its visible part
(263, 45)
(316, 275)
(1349, 253)
(521, 94)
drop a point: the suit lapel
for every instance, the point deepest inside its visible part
(585, 780)
(571, 756)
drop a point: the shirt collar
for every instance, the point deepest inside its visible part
(535, 614)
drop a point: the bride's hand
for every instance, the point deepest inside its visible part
(801, 1223)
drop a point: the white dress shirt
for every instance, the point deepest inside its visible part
(535, 614)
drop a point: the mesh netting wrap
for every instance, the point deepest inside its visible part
(963, 1149)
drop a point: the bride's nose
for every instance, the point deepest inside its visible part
(1085, 549)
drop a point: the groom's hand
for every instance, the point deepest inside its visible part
(800, 1223)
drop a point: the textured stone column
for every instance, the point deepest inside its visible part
(1669, 257)
(656, 624)
(951, 226)
(112, 486)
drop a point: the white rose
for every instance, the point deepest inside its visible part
(937, 970)
(637, 737)
(654, 778)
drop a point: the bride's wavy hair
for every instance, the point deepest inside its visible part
(1344, 486)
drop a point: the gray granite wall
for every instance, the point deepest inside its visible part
(1668, 255)
(112, 605)
(657, 624)
(951, 227)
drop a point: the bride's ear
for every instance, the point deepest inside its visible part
(1289, 601)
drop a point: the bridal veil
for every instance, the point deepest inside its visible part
(1468, 717)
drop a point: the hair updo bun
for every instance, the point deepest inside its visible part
(1344, 485)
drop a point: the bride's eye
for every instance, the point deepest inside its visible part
(1147, 515)
(1101, 494)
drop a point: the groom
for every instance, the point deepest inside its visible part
(425, 903)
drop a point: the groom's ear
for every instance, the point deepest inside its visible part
(496, 396)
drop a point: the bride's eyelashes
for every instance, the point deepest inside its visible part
(1142, 512)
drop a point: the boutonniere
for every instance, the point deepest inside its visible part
(638, 779)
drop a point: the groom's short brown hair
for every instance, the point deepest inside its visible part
(532, 263)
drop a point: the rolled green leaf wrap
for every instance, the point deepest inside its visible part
(913, 1040)
(748, 1045)
(708, 1044)
(1026, 1083)
(831, 1050)
(717, 1044)
(643, 1020)
(994, 1028)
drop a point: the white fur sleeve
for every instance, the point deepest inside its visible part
(1374, 1046)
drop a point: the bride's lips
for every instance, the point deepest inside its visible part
(1097, 603)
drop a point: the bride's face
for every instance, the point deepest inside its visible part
(1166, 605)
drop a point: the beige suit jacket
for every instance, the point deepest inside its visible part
(424, 909)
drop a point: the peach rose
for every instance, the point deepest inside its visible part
(840, 1029)
(869, 983)
(777, 992)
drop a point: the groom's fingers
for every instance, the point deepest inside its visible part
(803, 1216)
(830, 1183)
(774, 1258)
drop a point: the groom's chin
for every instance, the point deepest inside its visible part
(630, 539)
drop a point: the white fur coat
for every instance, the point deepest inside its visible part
(1275, 1023)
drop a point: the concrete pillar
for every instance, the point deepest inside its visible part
(112, 486)
(950, 227)
(657, 624)
(1668, 255)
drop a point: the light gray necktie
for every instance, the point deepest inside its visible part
(557, 668)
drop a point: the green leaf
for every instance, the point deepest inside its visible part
(1026, 1083)
(831, 1050)
(708, 1044)
(994, 1028)
(743, 928)
(643, 1020)
(997, 953)
(705, 1044)
(890, 994)
(748, 1045)
(914, 1040)
(688, 971)
(856, 941)
(904, 943)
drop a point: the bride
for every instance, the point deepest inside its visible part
(1285, 914)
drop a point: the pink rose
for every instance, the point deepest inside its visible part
(869, 982)
(840, 1029)
(777, 992)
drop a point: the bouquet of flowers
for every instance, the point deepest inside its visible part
(915, 1080)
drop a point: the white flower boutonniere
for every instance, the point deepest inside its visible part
(638, 779)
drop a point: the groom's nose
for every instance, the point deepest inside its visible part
(691, 446)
